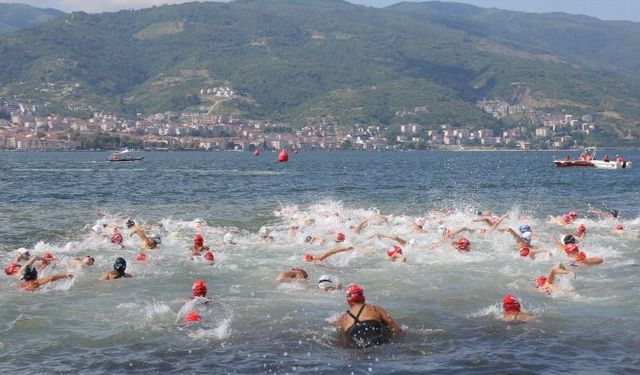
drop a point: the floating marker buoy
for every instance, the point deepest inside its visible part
(283, 157)
(256, 152)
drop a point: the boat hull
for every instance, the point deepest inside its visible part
(593, 164)
(128, 159)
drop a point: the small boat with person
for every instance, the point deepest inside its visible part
(588, 159)
(124, 155)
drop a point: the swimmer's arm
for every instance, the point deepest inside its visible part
(285, 275)
(361, 225)
(48, 279)
(339, 321)
(483, 220)
(557, 243)
(388, 320)
(460, 230)
(333, 252)
(105, 276)
(499, 220)
(511, 232)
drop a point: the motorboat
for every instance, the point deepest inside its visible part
(588, 159)
(124, 156)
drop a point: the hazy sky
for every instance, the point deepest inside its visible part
(604, 9)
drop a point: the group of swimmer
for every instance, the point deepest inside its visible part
(364, 324)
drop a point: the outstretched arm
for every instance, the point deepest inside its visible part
(56, 277)
(557, 243)
(392, 237)
(511, 232)
(333, 251)
(500, 219)
(455, 231)
(360, 226)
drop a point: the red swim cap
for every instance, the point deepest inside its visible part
(581, 256)
(540, 281)
(355, 294)
(463, 244)
(571, 249)
(510, 304)
(117, 238)
(581, 228)
(198, 240)
(340, 237)
(566, 218)
(572, 214)
(308, 257)
(524, 251)
(10, 269)
(47, 255)
(395, 249)
(141, 257)
(619, 226)
(192, 317)
(199, 288)
(209, 256)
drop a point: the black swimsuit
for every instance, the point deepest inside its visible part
(366, 333)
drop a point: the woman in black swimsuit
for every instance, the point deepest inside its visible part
(365, 324)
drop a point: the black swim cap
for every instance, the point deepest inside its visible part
(120, 265)
(30, 273)
(568, 239)
(614, 213)
(130, 223)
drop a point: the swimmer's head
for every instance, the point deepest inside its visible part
(199, 288)
(420, 222)
(566, 218)
(308, 239)
(567, 239)
(141, 257)
(47, 257)
(23, 253)
(442, 229)
(572, 214)
(89, 260)
(191, 317)
(325, 282)
(340, 237)
(120, 265)
(198, 240)
(571, 249)
(581, 256)
(11, 269)
(155, 237)
(264, 232)
(228, 239)
(524, 251)
(510, 304)
(524, 228)
(540, 281)
(526, 237)
(393, 250)
(355, 294)
(130, 223)
(301, 272)
(463, 244)
(614, 213)
(619, 227)
(581, 228)
(208, 256)
(30, 273)
(117, 238)
(307, 257)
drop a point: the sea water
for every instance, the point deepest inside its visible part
(447, 303)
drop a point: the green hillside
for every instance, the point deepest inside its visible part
(19, 16)
(306, 60)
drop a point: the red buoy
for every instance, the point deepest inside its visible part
(283, 157)
(256, 152)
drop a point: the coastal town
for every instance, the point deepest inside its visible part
(24, 126)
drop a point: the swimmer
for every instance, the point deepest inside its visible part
(449, 233)
(568, 245)
(492, 222)
(418, 224)
(296, 274)
(524, 236)
(547, 283)
(463, 245)
(199, 291)
(610, 214)
(198, 246)
(47, 259)
(119, 268)
(79, 262)
(512, 310)
(32, 281)
(325, 284)
(360, 226)
(336, 250)
(531, 253)
(392, 237)
(312, 240)
(365, 324)
(484, 213)
(580, 232)
(228, 239)
(293, 230)
(15, 269)
(583, 261)
(563, 220)
(148, 242)
(395, 253)
(208, 257)
(117, 238)
(22, 254)
(340, 237)
(265, 235)
(618, 229)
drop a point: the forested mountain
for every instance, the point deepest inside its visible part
(19, 16)
(308, 60)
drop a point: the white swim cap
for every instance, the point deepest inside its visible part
(264, 232)
(442, 229)
(420, 221)
(325, 282)
(155, 237)
(526, 235)
(412, 241)
(23, 251)
(228, 238)
(97, 228)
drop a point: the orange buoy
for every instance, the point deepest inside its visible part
(256, 152)
(283, 157)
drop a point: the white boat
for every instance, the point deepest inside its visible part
(123, 156)
(588, 159)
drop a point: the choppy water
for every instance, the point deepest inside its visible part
(446, 302)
